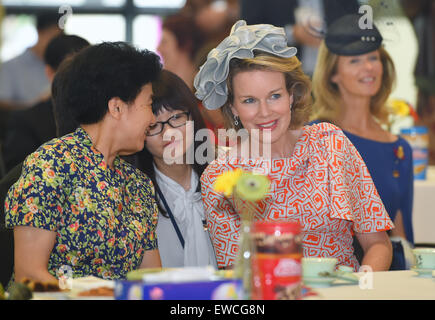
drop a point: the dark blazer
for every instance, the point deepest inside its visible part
(26, 131)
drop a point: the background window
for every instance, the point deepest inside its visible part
(159, 3)
(97, 27)
(147, 31)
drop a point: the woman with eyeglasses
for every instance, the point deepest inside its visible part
(182, 237)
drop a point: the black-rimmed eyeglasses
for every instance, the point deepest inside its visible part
(176, 121)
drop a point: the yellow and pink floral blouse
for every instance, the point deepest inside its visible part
(324, 185)
(104, 218)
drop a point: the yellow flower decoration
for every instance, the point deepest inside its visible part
(248, 186)
(226, 181)
(399, 107)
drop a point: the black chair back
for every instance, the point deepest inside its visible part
(7, 235)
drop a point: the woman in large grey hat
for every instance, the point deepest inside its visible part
(317, 176)
(352, 82)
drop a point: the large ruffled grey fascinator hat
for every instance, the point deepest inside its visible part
(210, 82)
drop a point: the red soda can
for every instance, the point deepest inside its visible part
(276, 261)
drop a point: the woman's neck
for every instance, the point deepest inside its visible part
(355, 115)
(102, 141)
(284, 147)
(180, 173)
(281, 148)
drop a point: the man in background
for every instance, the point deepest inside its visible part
(27, 129)
(22, 79)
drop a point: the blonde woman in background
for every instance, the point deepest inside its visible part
(353, 79)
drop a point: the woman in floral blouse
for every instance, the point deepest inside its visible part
(77, 206)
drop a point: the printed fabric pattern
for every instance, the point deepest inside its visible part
(104, 218)
(324, 185)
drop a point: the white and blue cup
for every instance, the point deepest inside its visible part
(318, 272)
(424, 258)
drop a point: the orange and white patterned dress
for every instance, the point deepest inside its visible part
(324, 185)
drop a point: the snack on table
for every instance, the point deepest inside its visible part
(40, 286)
(97, 292)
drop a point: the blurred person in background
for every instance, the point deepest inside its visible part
(179, 46)
(214, 17)
(23, 80)
(27, 129)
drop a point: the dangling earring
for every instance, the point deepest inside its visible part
(236, 121)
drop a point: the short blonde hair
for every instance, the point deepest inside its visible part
(297, 83)
(327, 96)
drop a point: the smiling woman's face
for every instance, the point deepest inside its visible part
(262, 102)
(136, 120)
(360, 75)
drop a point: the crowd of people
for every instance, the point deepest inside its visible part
(87, 182)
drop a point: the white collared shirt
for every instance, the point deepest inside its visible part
(188, 211)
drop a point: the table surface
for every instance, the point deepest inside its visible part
(423, 216)
(389, 285)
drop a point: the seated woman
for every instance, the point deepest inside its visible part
(317, 177)
(351, 84)
(182, 238)
(77, 204)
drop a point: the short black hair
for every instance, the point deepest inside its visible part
(65, 123)
(101, 72)
(60, 47)
(47, 19)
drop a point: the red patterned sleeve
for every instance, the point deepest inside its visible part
(222, 220)
(353, 194)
